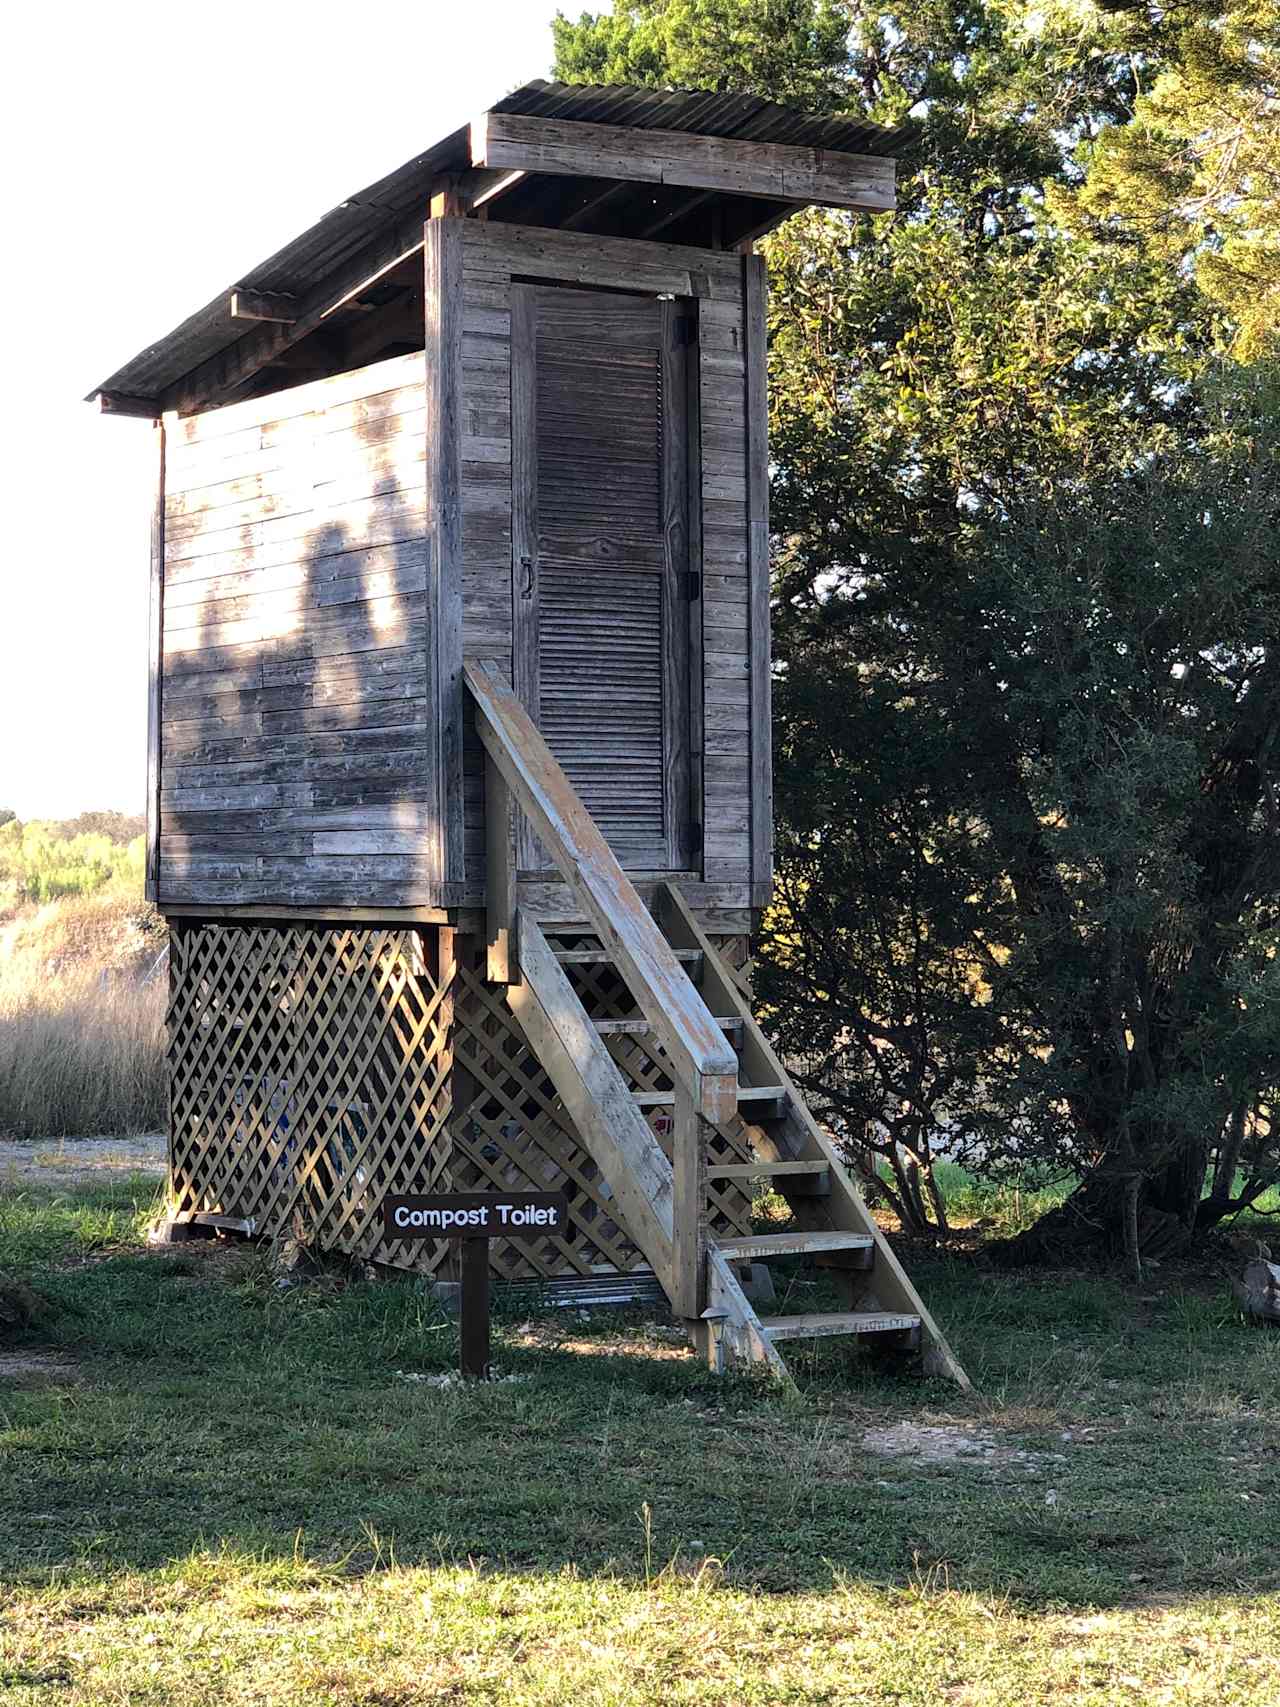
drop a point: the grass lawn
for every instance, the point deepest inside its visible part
(225, 1492)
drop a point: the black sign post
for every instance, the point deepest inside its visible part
(475, 1217)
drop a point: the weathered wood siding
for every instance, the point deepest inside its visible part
(296, 765)
(492, 256)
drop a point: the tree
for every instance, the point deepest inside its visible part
(990, 439)
(1194, 172)
(788, 50)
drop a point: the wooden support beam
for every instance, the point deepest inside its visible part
(217, 378)
(689, 204)
(758, 581)
(734, 165)
(120, 403)
(155, 678)
(263, 305)
(443, 305)
(593, 205)
(449, 200)
(689, 1209)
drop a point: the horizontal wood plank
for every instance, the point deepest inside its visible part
(518, 141)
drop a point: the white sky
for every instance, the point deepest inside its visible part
(154, 152)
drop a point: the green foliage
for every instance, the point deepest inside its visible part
(1193, 175)
(45, 861)
(1025, 577)
(789, 50)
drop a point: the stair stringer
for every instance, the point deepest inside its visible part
(622, 1144)
(798, 1137)
(733, 1333)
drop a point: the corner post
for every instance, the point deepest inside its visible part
(758, 587)
(442, 249)
(155, 680)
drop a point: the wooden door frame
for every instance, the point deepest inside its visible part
(681, 485)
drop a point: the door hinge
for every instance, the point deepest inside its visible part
(692, 586)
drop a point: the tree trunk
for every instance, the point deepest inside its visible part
(1096, 1222)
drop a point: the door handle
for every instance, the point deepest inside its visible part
(526, 589)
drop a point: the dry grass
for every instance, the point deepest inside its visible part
(81, 1043)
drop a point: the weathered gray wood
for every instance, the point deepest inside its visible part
(681, 570)
(689, 1208)
(757, 430)
(734, 1334)
(803, 1140)
(700, 1056)
(571, 147)
(524, 519)
(823, 1325)
(657, 268)
(500, 877)
(593, 1090)
(444, 309)
(155, 668)
(120, 403)
(221, 374)
(263, 305)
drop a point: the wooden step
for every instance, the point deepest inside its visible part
(758, 1096)
(731, 1025)
(602, 957)
(818, 1172)
(820, 1326)
(797, 1243)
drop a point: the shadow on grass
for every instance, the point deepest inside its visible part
(1116, 1450)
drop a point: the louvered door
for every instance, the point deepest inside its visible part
(601, 573)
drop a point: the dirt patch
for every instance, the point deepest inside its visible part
(941, 1443)
(53, 1161)
(37, 1368)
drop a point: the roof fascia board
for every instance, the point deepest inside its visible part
(570, 147)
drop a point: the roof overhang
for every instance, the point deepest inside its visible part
(678, 167)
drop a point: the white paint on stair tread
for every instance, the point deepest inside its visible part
(840, 1322)
(798, 1242)
(746, 1093)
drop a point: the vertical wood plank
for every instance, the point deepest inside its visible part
(524, 522)
(757, 431)
(676, 319)
(689, 1208)
(500, 876)
(155, 682)
(696, 710)
(443, 296)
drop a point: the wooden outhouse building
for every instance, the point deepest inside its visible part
(459, 778)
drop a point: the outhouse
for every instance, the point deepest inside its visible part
(459, 778)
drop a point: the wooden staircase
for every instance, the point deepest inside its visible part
(735, 1116)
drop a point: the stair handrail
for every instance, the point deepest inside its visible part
(701, 1058)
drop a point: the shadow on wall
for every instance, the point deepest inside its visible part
(306, 1059)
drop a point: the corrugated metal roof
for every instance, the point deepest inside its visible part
(308, 260)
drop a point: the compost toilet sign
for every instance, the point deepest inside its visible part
(475, 1217)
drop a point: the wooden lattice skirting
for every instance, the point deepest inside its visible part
(314, 1070)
